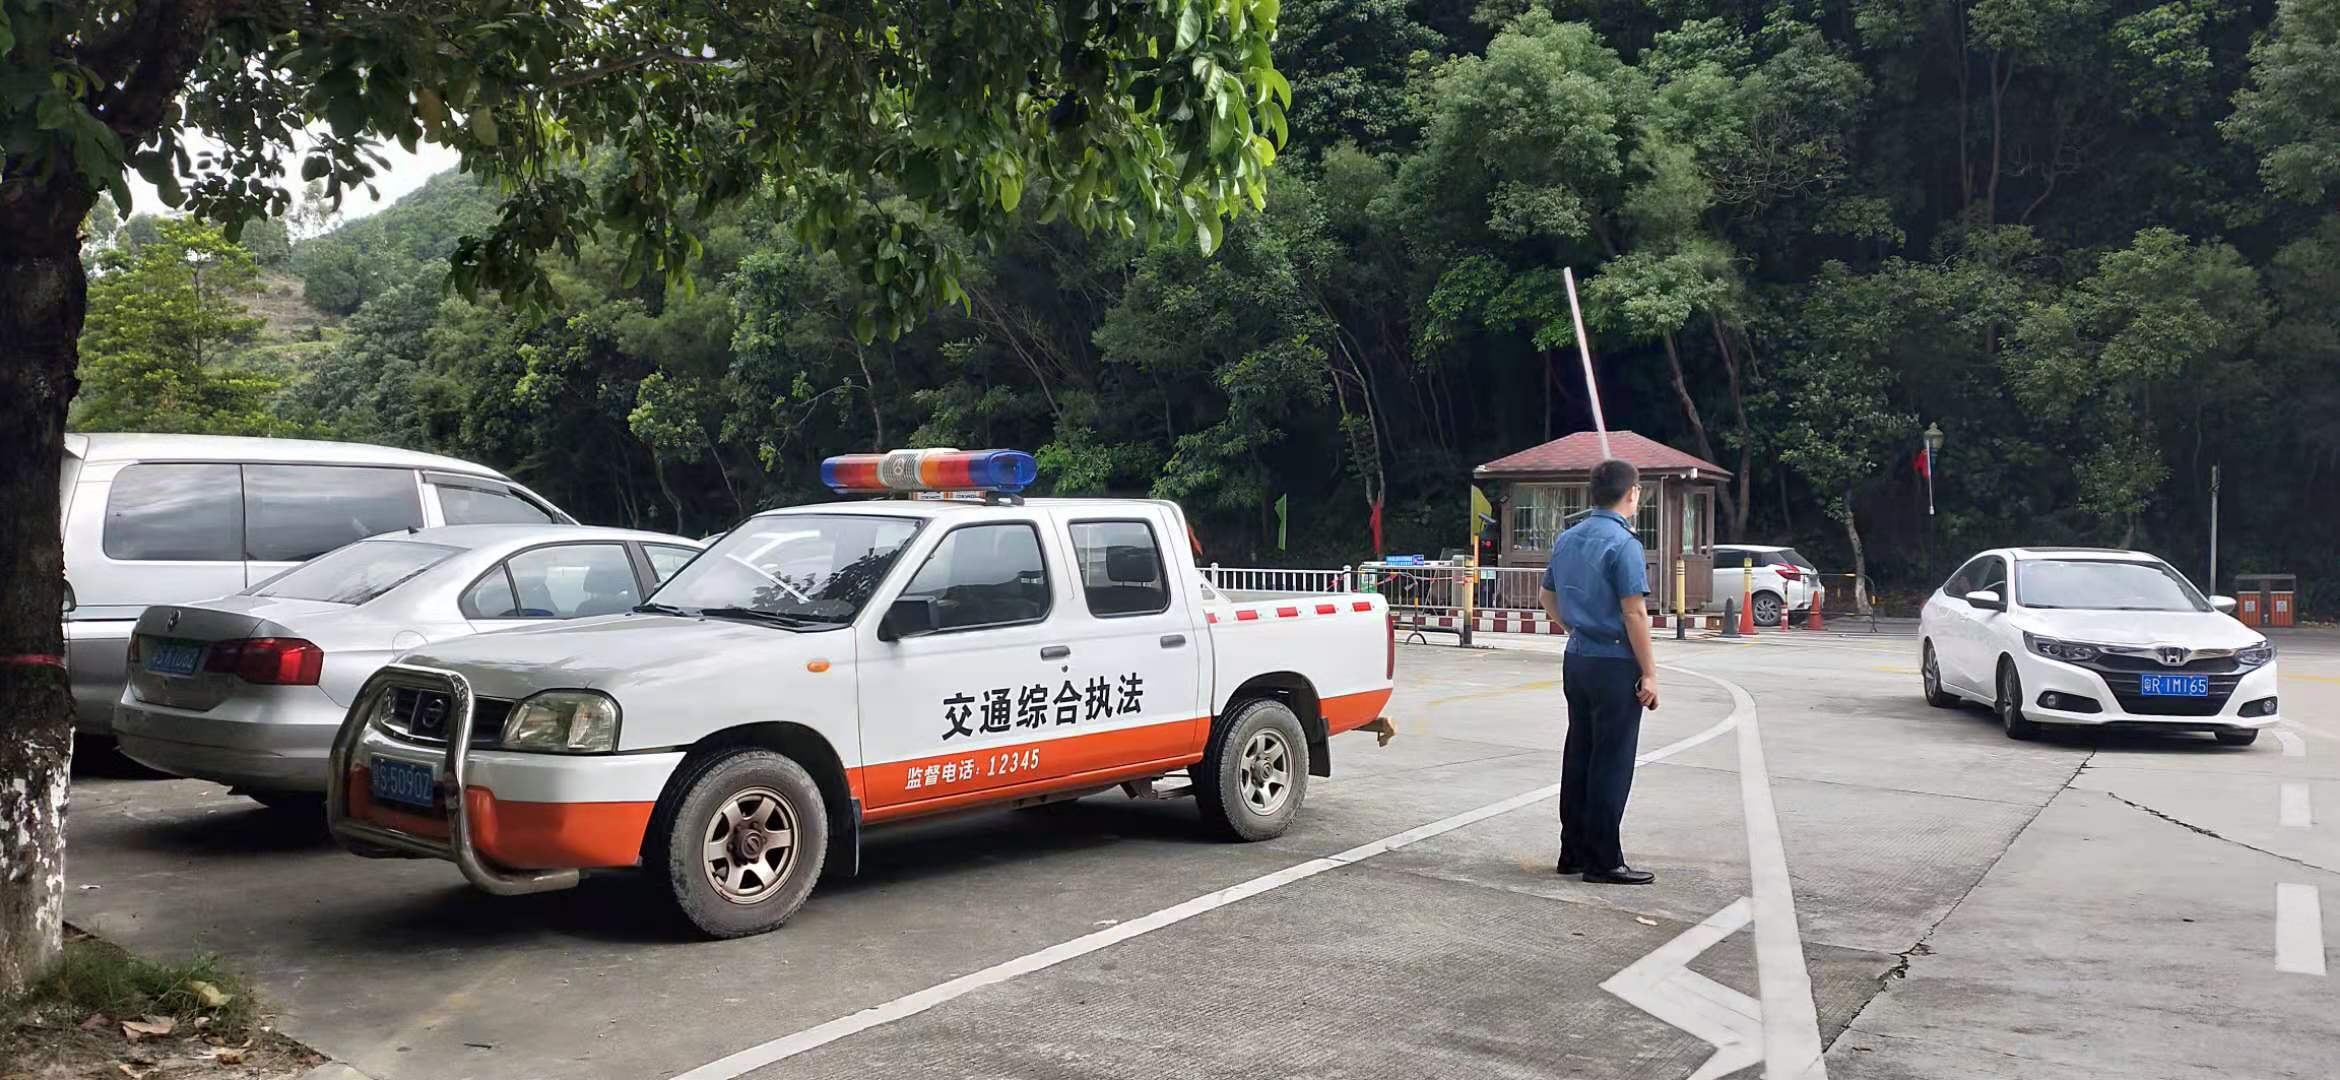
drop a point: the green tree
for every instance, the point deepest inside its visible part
(166, 321)
(1108, 116)
(2158, 319)
(2290, 111)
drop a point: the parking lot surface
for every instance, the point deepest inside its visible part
(1840, 867)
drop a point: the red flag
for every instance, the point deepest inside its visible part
(1925, 463)
(1376, 520)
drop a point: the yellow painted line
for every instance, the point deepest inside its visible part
(1894, 670)
(2311, 678)
(1539, 684)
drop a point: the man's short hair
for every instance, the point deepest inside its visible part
(1611, 480)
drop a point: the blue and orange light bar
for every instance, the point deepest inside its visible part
(1005, 471)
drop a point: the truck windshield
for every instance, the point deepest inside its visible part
(810, 567)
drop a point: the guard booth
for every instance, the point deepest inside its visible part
(1538, 492)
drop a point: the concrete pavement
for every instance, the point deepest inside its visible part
(1965, 906)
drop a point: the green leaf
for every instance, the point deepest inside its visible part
(1190, 24)
(483, 125)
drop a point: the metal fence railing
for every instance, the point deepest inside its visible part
(1440, 588)
(1260, 580)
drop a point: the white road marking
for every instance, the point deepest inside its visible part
(1662, 985)
(812, 1038)
(2295, 813)
(1791, 1022)
(2293, 745)
(2299, 929)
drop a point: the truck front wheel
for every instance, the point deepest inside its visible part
(1253, 777)
(744, 844)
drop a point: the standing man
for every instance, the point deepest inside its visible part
(1594, 588)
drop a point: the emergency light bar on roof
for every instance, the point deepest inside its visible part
(1005, 472)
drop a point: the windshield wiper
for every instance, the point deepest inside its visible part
(658, 609)
(769, 618)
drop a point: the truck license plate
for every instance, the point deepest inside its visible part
(171, 657)
(405, 783)
(2173, 685)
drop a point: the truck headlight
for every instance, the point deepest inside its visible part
(563, 722)
(2254, 655)
(2073, 652)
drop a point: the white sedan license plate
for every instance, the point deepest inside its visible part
(405, 784)
(2173, 685)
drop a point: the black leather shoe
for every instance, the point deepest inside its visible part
(1622, 875)
(1569, 866)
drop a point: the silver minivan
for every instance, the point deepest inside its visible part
(160, 519)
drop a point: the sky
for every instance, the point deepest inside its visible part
(405, 173)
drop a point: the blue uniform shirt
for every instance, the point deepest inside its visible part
(1595, 565)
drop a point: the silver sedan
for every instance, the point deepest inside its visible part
(247, 690)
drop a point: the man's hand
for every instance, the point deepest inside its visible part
(1646, 690)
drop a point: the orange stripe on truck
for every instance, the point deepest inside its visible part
(1348, 712)
(523, 835)
(993, 773)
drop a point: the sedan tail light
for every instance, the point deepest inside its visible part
(267, 661)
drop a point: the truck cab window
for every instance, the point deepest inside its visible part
(984, 575)
(1121, 568)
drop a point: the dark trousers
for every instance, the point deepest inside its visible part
(1596, 767)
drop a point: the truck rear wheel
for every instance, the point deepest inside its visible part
(744, 843)
(1253, 777)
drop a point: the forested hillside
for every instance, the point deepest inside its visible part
(2094, 241)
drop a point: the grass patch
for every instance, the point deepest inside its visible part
(104, 1014)
(98, 977)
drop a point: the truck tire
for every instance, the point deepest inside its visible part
(1254, 775)
(744, 843)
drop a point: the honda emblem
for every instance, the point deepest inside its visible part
(2172, 655)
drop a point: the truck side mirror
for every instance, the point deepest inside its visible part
(69, 605)
(909, 617)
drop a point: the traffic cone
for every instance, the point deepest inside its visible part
(1817, 622)
(1747, 620)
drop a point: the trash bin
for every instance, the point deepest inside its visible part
(2266, 600)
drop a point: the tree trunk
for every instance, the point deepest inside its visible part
(1852, 532)
(1697, 423)
(43, 296)
(1746, 475)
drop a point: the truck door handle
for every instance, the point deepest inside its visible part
(1055, 652)
(1172, 641)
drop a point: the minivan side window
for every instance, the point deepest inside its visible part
(191, 513)
(294, 513)
(479, 506)
(984, 575)
(1121, 568)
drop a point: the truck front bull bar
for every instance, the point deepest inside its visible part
(359, 836)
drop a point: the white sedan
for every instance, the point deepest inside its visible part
(247, 690)
(2095, 637)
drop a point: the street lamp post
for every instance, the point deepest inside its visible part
(1933, 449)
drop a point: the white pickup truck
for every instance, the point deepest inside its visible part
(822, 669)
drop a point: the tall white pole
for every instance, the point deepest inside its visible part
(2213, 528)
(1584, 351)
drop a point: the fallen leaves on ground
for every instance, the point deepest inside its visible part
(151, 1027)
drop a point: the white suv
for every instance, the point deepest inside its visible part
(2089, 636)
(1782, 580)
